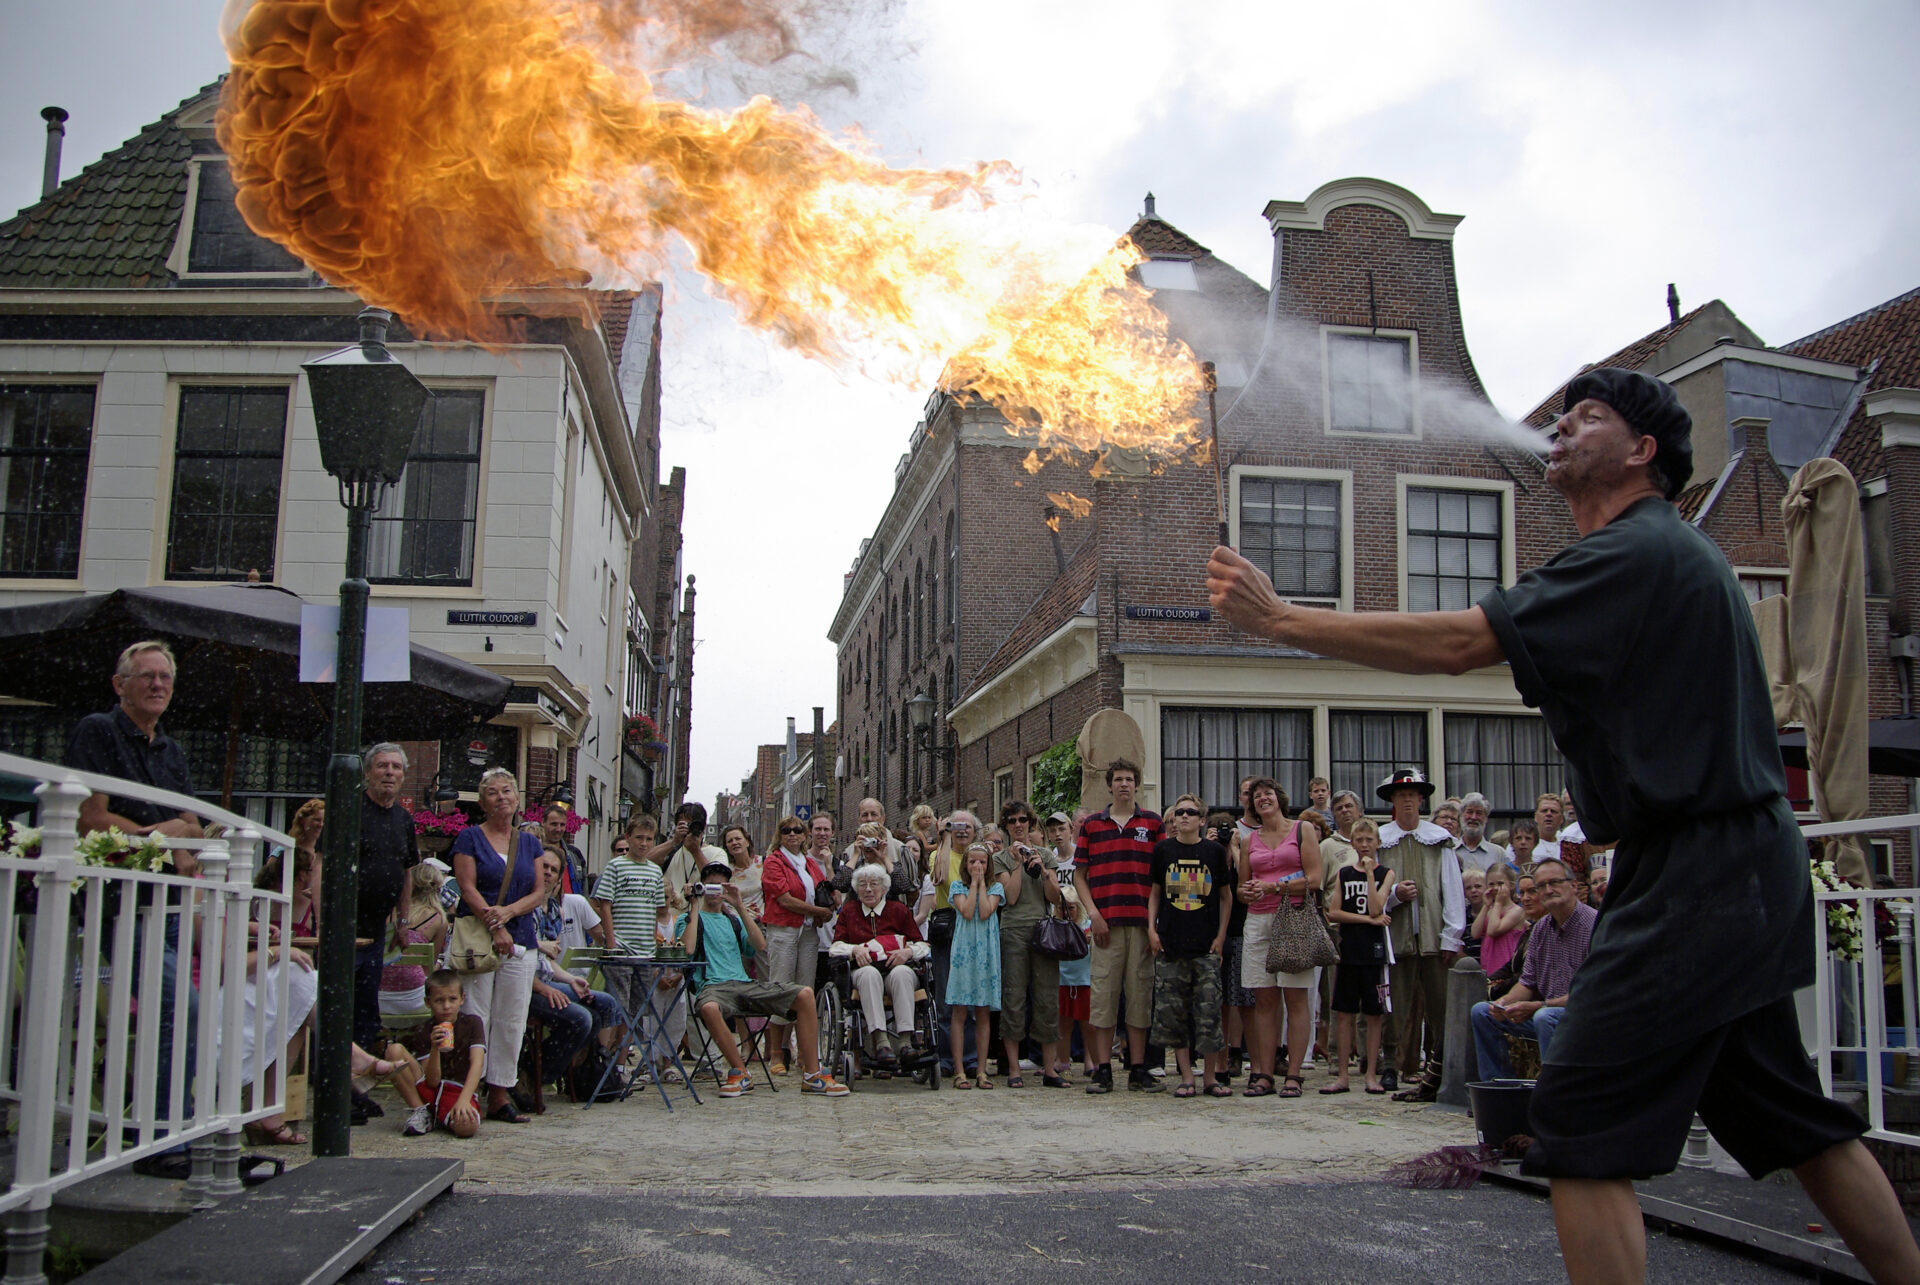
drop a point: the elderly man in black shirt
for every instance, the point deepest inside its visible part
(388, 853)
(126, 741)
(1638, 628)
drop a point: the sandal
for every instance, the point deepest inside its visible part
(962, 1082)
(261, 1134)
(1054, 1081)
(1259, 1085)
(507, 1114)
(1336, 1088)
(1015, 1082)
(1291, 1085)
(1186, 1091)
(1219, 1091)
(983, 1081)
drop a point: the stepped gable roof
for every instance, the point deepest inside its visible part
(1631, 357)
(1884, 338)
(112, 225)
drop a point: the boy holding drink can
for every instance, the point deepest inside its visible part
(442, 1062)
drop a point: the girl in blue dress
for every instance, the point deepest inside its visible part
(973, 979)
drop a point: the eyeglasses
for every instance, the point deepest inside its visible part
(793, 829)
(1550, 883)
(1187, 812)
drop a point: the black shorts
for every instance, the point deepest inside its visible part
(1750, 1080)
(1356, 988)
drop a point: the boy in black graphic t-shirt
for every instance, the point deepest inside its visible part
(1358, 982)
(1188, 908)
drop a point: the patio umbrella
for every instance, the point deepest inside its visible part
(1893, 746)
(237, 647)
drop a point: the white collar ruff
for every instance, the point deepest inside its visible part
(1426, 832)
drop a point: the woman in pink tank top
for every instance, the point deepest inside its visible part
(1278, 860)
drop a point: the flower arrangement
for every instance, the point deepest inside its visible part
(574, 819)
(642, 728)
(1843, 917)
(428, 822)
(19, 842)
(122, 851)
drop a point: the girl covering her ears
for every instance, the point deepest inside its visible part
(973, 976)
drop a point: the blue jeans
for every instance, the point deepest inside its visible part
(569, 1028)
(1490, 1037)
(163, 1068)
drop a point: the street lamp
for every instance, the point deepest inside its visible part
(920, 718)
(366, 409)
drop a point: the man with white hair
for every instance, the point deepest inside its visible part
(388, 853)
(875, 933)
(1473, 848)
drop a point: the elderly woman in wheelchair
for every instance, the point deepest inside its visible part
(878, 939)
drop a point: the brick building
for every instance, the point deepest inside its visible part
(1365, 468)
(1850, 391)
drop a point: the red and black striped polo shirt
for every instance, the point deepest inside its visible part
(1118, 861)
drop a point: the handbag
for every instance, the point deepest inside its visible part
(470, 944)
(1300, 939)
(1058, 938)
(940, 925)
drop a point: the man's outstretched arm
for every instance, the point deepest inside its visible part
(1406, 642)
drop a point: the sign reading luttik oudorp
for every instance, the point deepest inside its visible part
(1170, 613)
(496, 619)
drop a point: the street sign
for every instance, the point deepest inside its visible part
(804, 811)
(1170, 613)
(497, 619)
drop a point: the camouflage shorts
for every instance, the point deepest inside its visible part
(1186, 1004)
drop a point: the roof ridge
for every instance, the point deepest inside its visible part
(114, 155)
(1855, 319)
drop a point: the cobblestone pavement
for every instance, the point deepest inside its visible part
(910, 1139)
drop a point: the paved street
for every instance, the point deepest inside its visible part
(1361, 1232)
(930, 1142)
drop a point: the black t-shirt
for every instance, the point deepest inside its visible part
(388, 851)
(110, 744)
(1192, 878)
(1637, 646)
(1363, 943)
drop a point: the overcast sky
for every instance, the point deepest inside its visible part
(1761, 153)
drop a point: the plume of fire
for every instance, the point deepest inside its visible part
(1073, 506)
(437, 156)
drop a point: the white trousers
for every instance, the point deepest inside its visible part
(900, 983)
(499, 999)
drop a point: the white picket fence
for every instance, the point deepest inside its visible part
(116, 974)
(1858, 1030)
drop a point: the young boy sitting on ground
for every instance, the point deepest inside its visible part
(441, 1063)
(723, 935)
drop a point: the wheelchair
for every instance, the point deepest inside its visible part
(843, 1025)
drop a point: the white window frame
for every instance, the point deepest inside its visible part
(1413, 382)
(182, 252)
(489, 396)
(1509, 564)
(1343, 477)
(169, 457)
(1740, 573)
(91, 379)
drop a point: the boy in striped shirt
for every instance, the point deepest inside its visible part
(1113, 875)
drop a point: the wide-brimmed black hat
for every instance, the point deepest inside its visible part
(1402, 779)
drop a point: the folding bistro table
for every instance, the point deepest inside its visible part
(644, 1026)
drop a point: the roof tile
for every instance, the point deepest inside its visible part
(1885, 337)
(1632, 357)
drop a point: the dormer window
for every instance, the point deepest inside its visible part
(1168, 274)
(215, 242)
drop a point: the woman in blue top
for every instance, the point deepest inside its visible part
(973, 975)
(480, 855)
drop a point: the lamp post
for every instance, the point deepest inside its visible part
(366, 409)
(920, 718)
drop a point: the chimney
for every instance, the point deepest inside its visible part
(56, 118)
(1149, 214)
(1673, 305)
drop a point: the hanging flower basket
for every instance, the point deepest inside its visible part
(652, 750)
(641, 728)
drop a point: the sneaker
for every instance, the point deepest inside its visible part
(1101, 1081)
(1389, 1079)
(1140, 1080)
(419, 1122)
(822, 1083)
(738, 1082)
(1158, 1072)
(1028, 1064)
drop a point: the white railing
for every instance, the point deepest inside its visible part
(124, 1003)
(1850, 996)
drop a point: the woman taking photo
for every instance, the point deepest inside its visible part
(484, 857)
(1278, 860)
(1025, 868)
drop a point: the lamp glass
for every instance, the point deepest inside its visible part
(920, 711)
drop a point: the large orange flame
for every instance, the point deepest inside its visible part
(434, 156)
